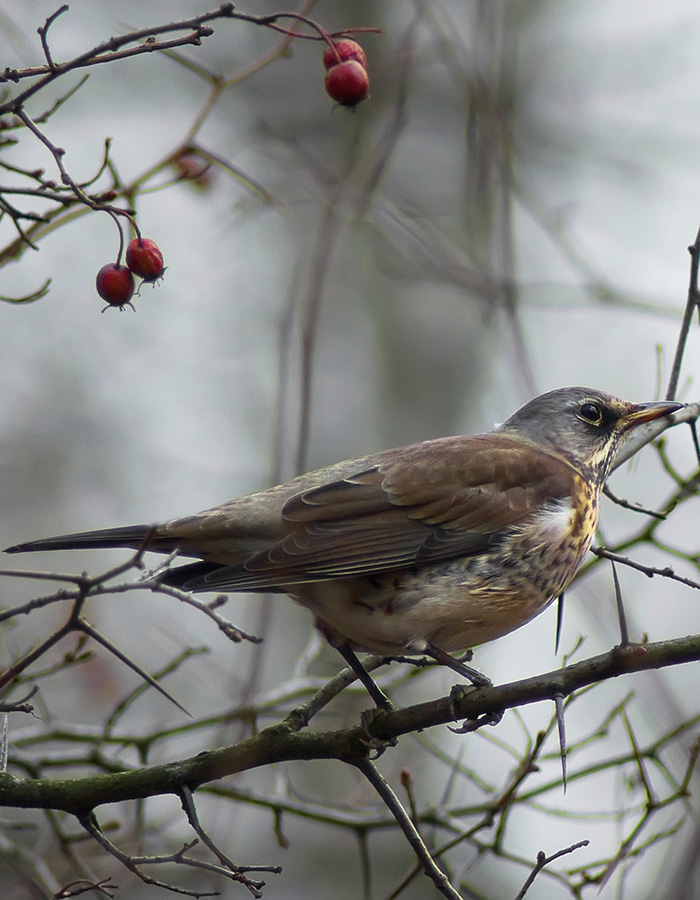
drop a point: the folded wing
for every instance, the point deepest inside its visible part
(410, 509)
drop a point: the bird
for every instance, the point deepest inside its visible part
(428, 549)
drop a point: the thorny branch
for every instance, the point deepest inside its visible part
(80, 796)
(291, 741)
(349, 745)
(76, 622)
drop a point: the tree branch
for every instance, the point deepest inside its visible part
(281, 743)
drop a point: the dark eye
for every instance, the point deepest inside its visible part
(591, 412)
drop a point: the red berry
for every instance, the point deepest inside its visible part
(347, 49)
(145, 259)
(348, 83)
(115, 284)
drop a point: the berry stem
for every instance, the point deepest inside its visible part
(121, 234)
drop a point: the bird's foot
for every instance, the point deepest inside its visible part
(458, 692)
(377, 745)
(474, 724)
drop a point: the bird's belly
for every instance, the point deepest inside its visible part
(454, 604)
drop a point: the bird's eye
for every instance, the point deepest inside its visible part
(591, 413)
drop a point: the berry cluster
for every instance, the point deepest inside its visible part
(347, 81)
(115, 283)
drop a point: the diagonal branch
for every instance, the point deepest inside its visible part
(393, 804)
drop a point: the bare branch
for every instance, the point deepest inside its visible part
(279, 743)
(543, 861)
(692, 303)
(649, 571)
(43, 32)
(392, 802)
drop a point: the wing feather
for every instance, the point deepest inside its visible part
(410, 509)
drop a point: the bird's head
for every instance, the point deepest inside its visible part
(584, 425)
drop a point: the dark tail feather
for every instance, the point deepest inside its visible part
(132, 536)
(212, 576)
(190, 577)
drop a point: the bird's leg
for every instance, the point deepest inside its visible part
(476, 678)
(375, 692)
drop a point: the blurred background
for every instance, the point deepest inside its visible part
(508, 213)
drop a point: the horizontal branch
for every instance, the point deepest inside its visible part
(282, 743)
(111, 49)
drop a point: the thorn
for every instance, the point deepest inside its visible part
(560, 620)
(694, 430)
(622, 619)
(559, 710)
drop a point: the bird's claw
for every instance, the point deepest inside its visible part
(378, 745)
(457, 693)
(492, 718)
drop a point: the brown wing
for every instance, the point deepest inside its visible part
(447, 498)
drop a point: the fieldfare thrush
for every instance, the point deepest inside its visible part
(431, 548)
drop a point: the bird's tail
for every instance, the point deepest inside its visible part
(136, 537)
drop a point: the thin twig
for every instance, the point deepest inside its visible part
(543, 861)
(649, 571)
(133, 864)
(692, 304)
(234, 872)
(635, 507)
(19, 706)
(393, 804)
(43, 31)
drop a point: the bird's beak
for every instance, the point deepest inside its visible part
(634, 437)
(647, 412)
